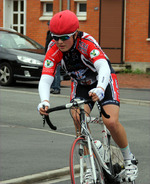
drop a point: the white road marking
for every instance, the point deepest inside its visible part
(32, 93)
(38, 129)
(53, 132)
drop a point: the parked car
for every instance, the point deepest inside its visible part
(21, 58)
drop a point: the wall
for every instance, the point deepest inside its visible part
(137, 49)
(91, 25)
(1, 13)
(37, 29)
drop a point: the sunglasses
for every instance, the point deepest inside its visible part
(63, 37)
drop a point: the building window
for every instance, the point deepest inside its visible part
(81, 10)
(47, 9)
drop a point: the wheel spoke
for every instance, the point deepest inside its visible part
(1, 71)
(7, 74)
(5, 79)
(5, 69)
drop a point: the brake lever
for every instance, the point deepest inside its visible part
(43, 120)
(43, 116)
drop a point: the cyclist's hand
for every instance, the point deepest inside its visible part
(42, 110)
(96, 94)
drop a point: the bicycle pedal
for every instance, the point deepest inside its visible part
(117, 168)
(135, 162)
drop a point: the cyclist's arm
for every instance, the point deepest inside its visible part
(99, 61)
(103, 77)
(44, 87)
(44, 92)
(103, 70)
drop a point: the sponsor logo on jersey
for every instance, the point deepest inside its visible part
(94, 53)
(48, 63)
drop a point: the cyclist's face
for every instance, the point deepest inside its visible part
(65, 45)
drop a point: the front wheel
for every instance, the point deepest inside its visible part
(78, 164)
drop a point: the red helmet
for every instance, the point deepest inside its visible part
(64, 22)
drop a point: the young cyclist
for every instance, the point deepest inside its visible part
(92, 77)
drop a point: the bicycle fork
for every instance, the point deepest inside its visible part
(92, 159)
(90, 152)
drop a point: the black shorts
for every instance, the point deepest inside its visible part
(111, 93)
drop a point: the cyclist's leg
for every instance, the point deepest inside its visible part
(80, 92)
(76, 118)
(119, 135)
(111, 104)
(114, 126)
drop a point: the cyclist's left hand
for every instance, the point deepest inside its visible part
(42, 110)
(96, 94)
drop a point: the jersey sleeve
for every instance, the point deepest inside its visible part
(52, 59)
(97, 57)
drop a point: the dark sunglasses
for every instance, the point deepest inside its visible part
(63, 37)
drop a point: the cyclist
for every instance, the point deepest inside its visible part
(92, 76)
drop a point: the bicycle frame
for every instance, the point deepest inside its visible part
(90, 142)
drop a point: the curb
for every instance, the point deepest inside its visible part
(38, 177)
(135, 102)
(122, 100)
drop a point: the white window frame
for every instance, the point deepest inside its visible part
(81, 15)
(8, 15)
(46, 15)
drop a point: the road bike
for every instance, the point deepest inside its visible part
(107, 166)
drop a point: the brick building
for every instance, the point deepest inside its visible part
(122, 27)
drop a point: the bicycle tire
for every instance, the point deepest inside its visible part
(75, 154)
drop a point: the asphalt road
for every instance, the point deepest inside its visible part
(27, 148)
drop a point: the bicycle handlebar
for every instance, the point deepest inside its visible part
(68, 106)
(50, 123)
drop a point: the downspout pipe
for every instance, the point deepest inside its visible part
(124, 33)
(68, 4)
(99, 21)
(60, 5)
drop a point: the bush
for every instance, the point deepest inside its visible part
(137, 71)
(126, 71)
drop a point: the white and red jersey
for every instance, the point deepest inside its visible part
(85, 62)
(78, 62)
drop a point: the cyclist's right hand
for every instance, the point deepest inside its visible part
(43, 107)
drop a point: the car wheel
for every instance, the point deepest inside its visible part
(6, 74)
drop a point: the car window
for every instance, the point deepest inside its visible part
(16, 41)
(6, 40)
